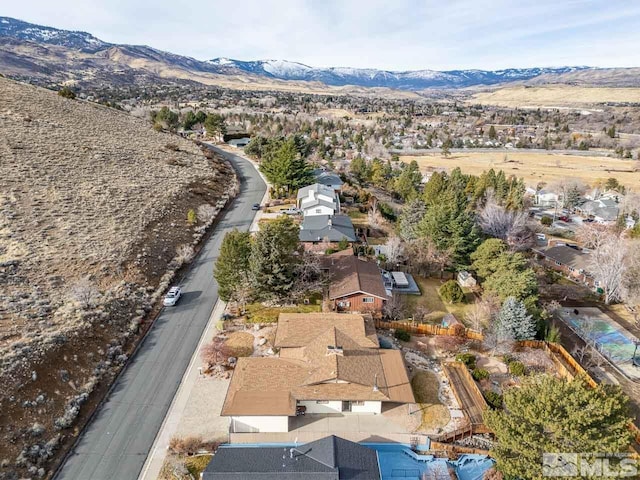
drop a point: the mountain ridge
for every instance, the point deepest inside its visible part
(28, 49)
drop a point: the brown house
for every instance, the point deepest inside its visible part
(355, 285)
(569, 261)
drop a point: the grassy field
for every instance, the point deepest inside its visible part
(535, 167)
(431, 299)
(555, 96)
(425, 389)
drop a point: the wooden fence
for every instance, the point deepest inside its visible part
(428, 329)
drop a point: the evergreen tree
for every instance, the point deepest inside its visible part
(285, 168)
(275, 255)
(513, 321)
(492, 133)
(547, 414)
(359, 169)
(410, 219)
(214, 124)
(407, 183)
(189, 120)
(232, 267)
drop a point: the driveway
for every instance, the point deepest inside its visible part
(116, 443)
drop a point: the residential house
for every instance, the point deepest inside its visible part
(603, 210)
(326, 230)
(569, 260)
(545, 198)
(356, 285)
(318, 199)
(329, 179)
(329, 458)
(327, 364)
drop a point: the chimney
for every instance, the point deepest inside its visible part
(335, 350)
(312, 195)
(375, 383)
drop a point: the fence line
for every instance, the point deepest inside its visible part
(428, 329)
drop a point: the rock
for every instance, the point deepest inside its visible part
(270, 351)
(262, 341)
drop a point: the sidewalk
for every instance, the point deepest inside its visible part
(158, 453)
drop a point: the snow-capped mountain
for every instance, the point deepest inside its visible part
(11, 27)
(108, 57)
(368, 77)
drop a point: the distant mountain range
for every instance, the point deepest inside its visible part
(27, 49)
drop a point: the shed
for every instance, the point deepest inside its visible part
(465, 279)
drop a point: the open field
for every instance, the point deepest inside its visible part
(550, 96)
(536, 167)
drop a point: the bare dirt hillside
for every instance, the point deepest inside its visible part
(556, 96)
(93, 213)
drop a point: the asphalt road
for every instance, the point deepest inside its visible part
(116, 443)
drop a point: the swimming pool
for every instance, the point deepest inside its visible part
(399, 462)
(610, 338)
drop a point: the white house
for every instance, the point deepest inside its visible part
(327, 364)
(318, 199)
(547, 198)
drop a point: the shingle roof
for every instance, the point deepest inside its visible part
(307, 204)
(567, 256)
(351, 275)
(328, 178)
(330, 458)
(318, 188)
(307, 370)
(316, 228)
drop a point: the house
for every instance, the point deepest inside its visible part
(568, 260)
(465, 279)
(356, 285)
(546, 198)
(603, 210)
(327, 364)
(329, 458)
(318, 199)
(329, 179)
(327, 229)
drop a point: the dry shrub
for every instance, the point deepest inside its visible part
(216, 352)
(191, 445)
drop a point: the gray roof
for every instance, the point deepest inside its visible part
(568, 256)
(328, 178)
(315, 228)
(317, 188)
(330, 458)
(316, 202)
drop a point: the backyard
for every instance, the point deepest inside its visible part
(435, 414)
(431, 300)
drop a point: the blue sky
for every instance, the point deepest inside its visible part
(392, 34)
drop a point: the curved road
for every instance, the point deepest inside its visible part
(116, 443)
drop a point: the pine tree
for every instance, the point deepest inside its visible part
(513, 321)
(275, 255)
(232, 267)
(410, 219)
(284, 167)
(492, 132)
(547, 414)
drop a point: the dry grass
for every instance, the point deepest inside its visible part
(240, 344)
(555, 96)
(430, 298)
(535, 167)
(425, 388)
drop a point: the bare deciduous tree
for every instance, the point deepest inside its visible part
(394, 249)
(373, 216)
(424, 256)
(394, 308)
(497, 221)
(309, 277)
(607, 261)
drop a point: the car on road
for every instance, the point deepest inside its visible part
(172, 296)
(255, 206)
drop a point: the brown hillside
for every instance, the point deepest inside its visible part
(93, 207)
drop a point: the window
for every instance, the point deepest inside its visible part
(558, 263)
(357, 404)
(367, 299)
(322, 402)
(571, 269)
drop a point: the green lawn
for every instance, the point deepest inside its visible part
(431, 299)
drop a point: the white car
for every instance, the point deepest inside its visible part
(172, 297)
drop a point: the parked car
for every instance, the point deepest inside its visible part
(565, 219)
(256, 206)
(588, 220)
(172, 296)
(290, 211)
